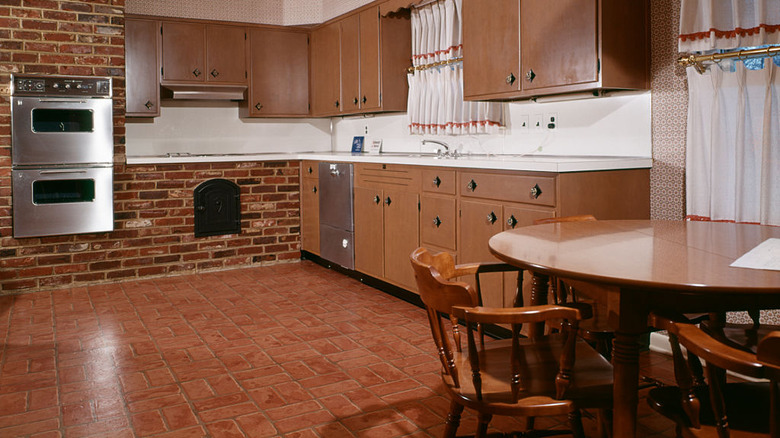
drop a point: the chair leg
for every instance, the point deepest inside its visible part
(453, 420)
(605, 423)
(482, 426)
(575, 422)
(530, 423)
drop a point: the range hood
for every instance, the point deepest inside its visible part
(203, 91)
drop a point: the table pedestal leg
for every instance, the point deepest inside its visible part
(539, 291)
(625, 358)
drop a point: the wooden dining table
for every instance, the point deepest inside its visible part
(639, 266)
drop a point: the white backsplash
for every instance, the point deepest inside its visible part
(611, 126)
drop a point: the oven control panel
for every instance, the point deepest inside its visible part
(62, 86)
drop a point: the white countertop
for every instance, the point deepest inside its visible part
(538, 163)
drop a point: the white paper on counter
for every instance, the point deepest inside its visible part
(765, 256)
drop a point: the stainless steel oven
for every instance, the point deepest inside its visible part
(62, 152)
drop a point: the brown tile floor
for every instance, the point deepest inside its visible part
(291, 350)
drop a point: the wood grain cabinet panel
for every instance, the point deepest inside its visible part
(226, 54)
(438, 218)
(278, 74)
(199, 52)
(369, 231)
(310, 215)
(142, 68)
(325, 70)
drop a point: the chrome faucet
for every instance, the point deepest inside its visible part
(445, 153)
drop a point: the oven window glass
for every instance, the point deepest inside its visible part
(61, 191)
(62, 120)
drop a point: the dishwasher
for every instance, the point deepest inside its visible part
(337, 226)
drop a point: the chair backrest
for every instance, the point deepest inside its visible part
(719, 358)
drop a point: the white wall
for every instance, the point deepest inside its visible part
(215, 127)
(613, 126)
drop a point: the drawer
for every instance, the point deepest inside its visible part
(437, 221)
(309, 169)
(436, 180)
(392, 176)
(529, 189)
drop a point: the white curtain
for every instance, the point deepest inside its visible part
(727, 24)
(436, 103)
(733, 144)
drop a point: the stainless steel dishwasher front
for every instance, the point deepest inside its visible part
(337, 227)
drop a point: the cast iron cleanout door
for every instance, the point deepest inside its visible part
(217, 208)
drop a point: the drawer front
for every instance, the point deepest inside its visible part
(437, 221)
(309, 169)
(391, 176)
(529, 189)
(438, 181)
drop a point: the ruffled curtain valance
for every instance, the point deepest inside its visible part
(436, 104)
(707, 25)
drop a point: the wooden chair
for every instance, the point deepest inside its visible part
(712, 407)
(554, 374)
(595, 330)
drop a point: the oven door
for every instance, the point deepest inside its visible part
(49, 202)
(58, 131)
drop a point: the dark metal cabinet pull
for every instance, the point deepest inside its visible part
(437, 221)
(436, 181)
(214, 73)
(376, 199)
(388, 201)
(536, 191)
(472, 185)
(355, 101)
(510, 79)
(364, 99)
(314, 189)
(512, 221)
(310, 170)
(148, 104)
(530, 75)
(196, 72)
(258, 106)
(492, 218)
(337, 104)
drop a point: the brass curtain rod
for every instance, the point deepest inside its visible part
(413, 69)
(697, 61)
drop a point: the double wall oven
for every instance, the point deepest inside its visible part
(62, 151)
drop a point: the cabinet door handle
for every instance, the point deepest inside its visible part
(492, 218)
(196, 72)
(314, 189)
(214, 73)
(310, 170)
(377, 199)
(337, 104)
(388, 201)
(512, 221)
(364, 99)
(437, 221)
(436, 181)
(510, 79)
(472, 185)
(148, 104)
(530, 75)
(258, 106)
(536, 191)
(355, 101)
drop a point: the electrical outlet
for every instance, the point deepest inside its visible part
(551, 120)
(537, 121)
(524, 122)
(365, 130)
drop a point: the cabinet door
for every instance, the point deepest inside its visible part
(226, 54)
(325, 70)
(369, 59)
(310, 215)
(142, 68)
(369, 231)
(479, 221)
(437, 221)
(402, 231)
(491, 49)
(279, 73)
(350, 64)
(516, 217)
(560, 44)
(183, 50)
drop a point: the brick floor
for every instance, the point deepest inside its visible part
(290, 350)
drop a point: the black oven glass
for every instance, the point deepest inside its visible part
(62, 120)
(62, 191)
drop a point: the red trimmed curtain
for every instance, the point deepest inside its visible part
(436, 104)
(728, 24)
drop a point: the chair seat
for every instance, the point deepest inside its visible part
(745, 419)
(591, 385)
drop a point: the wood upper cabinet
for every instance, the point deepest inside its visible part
(278, 74)
(198, 52)
(142, 68)
(564, 46)
(325, 70)
(359, 64)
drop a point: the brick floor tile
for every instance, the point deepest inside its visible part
(77, 414)
(148, 423)
(256, 425)
(224, 429)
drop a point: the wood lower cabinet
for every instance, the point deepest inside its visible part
(278, 74)
(142, 68)
(310, 207)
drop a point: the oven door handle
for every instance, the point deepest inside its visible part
(61, 100)
(61, 172)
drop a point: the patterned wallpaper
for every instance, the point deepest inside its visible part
(280, 12)
(669, 113)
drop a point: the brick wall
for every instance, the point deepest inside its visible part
(153, 204)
